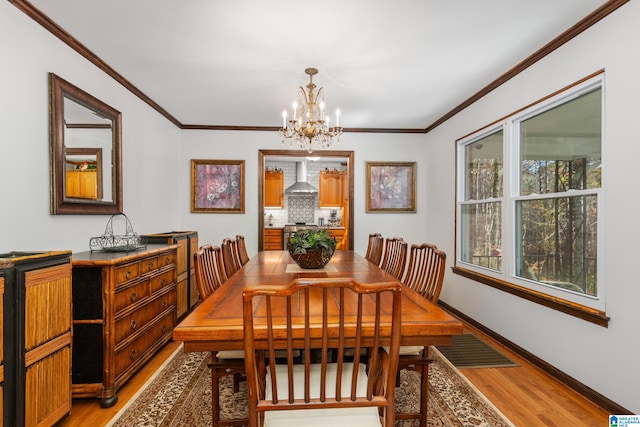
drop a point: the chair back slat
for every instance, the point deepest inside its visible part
(328, 316)
(243, 255)
(209, 271)
(425, 272)
(375, 248)
(395, 257)
(230, 257)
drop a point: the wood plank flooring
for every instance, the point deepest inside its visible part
(525, 394)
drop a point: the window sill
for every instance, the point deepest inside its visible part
(583, 312)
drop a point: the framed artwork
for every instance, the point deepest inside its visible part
(217, 186)
(391, 186)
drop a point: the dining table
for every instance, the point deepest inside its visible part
(217, 322)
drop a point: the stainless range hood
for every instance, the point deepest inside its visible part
(301, 186)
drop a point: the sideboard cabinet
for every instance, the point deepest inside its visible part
(187, 295)
(36, 337)
(124, 311)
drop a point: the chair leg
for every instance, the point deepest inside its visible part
(215, 398)
(424, 393)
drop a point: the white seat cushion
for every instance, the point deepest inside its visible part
(348, 417)
(406, 350)
(231, 354)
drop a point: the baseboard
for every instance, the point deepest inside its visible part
(569, 381)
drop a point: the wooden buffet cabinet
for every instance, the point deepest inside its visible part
(187, 295)
(37, 337)
(124, 311)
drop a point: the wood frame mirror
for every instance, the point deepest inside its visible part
(85, 149)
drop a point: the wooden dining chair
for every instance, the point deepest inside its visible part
(395, 257)
(425, 275)
(374, 248)
(209, 272)
(298, 316)
(209, 269)
(230, 257)
(243, 255)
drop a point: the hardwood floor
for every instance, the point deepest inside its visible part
(525, 394)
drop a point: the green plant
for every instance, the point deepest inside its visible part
(311, 239)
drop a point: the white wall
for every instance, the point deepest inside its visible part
(605, 359)
(239, 145)
(150, 144)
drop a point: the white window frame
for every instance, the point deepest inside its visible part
(510, 196)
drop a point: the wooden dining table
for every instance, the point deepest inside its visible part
(217, 322)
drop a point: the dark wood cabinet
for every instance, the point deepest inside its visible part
(36, 337)
(124, 311)
(187, 295)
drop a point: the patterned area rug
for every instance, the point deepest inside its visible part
(180, 395)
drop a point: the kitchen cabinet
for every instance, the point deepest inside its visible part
(124, 311)
(273, 239)
(274, 189)
(82, 184)
(187, 295)
(37, 337)
(340, 234)
(331, 186)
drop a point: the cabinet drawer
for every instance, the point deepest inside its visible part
(135, 321)
(273, 246)
(273, 239)
(161, 280)
(127, 272)
(138, 348)
(166, 259)
(130, 295)
(148, 264)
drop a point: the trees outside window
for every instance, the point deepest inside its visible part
(528, 197)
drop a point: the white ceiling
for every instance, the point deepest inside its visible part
(392, 65)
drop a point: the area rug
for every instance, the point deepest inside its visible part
(469, 351)
(180, 395)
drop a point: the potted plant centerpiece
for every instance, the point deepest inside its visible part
(312, 248)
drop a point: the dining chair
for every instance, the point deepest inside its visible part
(330, 316)
(209, 272)
(209, 269)
(374, 248)
(243, 255)
(395, 257)
(425, 275)
(230, 257)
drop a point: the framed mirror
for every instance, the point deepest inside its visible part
(86, 147)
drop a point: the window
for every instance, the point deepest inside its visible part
(528, 201)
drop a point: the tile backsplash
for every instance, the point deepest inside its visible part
(301, 207)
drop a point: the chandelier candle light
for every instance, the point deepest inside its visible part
(309, 126)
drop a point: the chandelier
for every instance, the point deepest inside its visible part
(309, 126)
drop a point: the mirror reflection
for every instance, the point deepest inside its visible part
(85, 152)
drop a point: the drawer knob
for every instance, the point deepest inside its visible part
(132, 354)
(164, 328)
(151, 266)
(164, 304)
(167, 260)
(128, 274)
(133, 297)
(133, 324)
(164, 282)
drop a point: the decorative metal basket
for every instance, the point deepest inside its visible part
(110, 242)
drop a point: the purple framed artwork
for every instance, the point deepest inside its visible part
(391, 186)
(217, 186)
